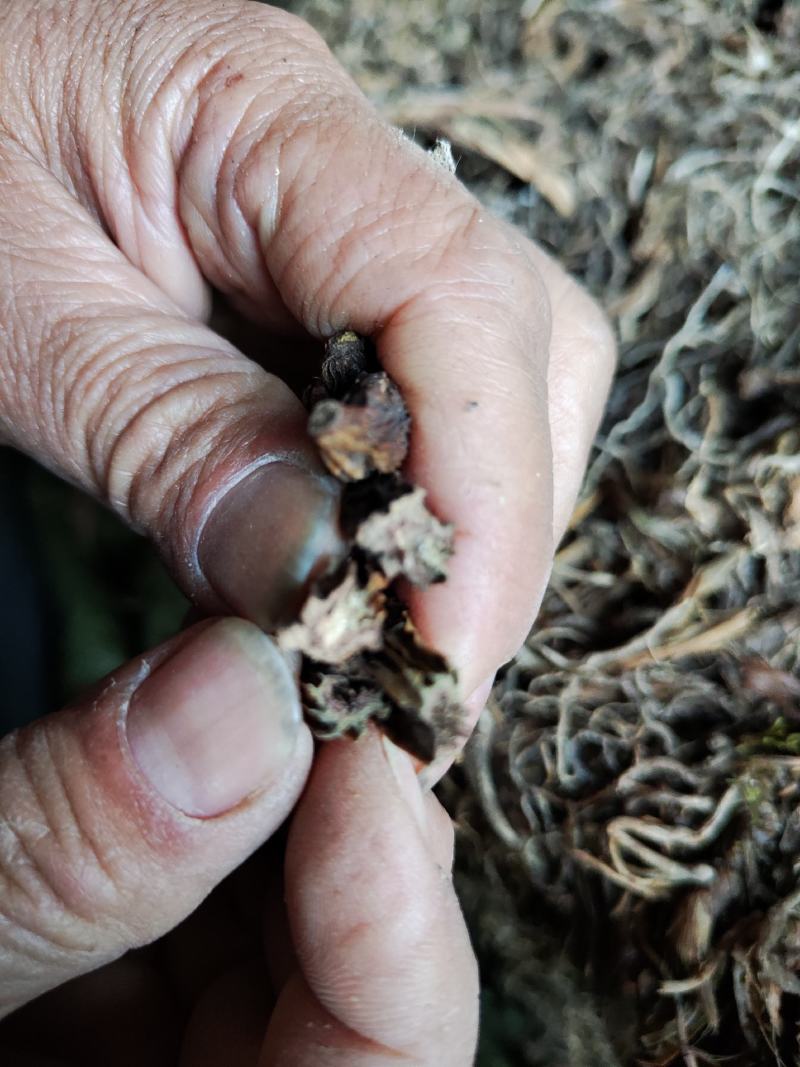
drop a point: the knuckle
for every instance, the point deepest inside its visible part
(158, 441)
(159, 453)
(132, 419)
(292, 29)
(224, 38)
(262, 85)
(56, 882)
(431, 238)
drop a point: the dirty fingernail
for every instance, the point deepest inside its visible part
(217, 721)
(406, 780)
(267, 537)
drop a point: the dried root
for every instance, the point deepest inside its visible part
(362, 658)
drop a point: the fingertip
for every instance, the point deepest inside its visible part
(378, 931)
(473, 707)
(218, 721)
(266, 538)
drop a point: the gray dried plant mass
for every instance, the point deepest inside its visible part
(628, 834)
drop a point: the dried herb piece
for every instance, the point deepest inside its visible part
(362, 499)
(365, 433)
(406, 686)
(345, 364)
(408, 540)
(342, 704)
(363, 659)
(422, 691)
(339, 622)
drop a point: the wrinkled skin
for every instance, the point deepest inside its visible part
(148, 152)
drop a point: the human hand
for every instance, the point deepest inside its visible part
(118, 817)
(151, 148)
(148, 150)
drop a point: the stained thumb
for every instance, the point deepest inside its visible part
(118, 815)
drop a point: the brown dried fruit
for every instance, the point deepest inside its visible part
(338, 623)
(408, 540)
(366, 433)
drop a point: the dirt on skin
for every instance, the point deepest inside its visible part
(629, 843)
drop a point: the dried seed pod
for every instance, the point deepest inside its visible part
(364, 498)
(404, 685)
(423, 691)
(342, 704)
(364, 434)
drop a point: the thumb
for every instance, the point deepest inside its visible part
(105, 381)
(119, 815)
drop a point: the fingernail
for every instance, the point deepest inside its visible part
(476, 701)
(406, 780)
(267, 537)
(217, 721)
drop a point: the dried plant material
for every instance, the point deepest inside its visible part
(363, 434)
(360, 500)
(338, 623)
(408, 540)
(345, 364)
(504, 146)
(780, 687)
(432, 108)
(677, 124)
(340, 705)
(484, 123)
(442, 155)
(675, 127)
(407, 687)
(363, 660)
(422, 691)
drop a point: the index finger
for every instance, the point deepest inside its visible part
(359, 228)
(248, 158)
